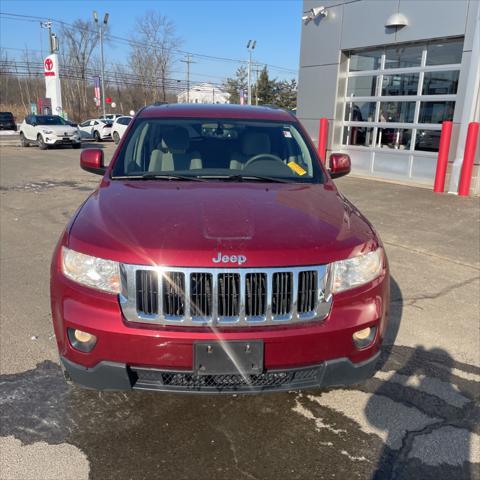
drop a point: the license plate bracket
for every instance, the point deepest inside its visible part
(228, 358)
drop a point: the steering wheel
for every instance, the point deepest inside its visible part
(267, 156)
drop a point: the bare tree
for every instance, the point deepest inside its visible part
(78, 44)
(153, 53)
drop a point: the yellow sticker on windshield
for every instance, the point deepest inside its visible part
(297, 168)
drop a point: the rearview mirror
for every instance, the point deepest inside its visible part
(340, 165)
(91, 160)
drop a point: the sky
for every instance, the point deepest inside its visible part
(211, 27)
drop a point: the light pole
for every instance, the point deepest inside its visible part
(250, 47)
(101, 27)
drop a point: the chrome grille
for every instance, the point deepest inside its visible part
(230, 297)
(201, 294)
(282, 293)
(307, 289)
(255, 301)
(147, 291)
(173, 294)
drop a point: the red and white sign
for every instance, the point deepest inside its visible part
(49, 70)
(52, 82)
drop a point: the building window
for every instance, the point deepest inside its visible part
(397, 112)
(412, 87)
(362, 86)
(445, 53)
(360, 112)
(400, 84)
(403, 56)
(367, 60)
(436, 112)
(440, 83)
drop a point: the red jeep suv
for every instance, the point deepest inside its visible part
(217, 255)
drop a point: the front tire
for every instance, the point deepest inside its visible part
(97, 136)
(116, 137)
(41, 144)
(23, 141)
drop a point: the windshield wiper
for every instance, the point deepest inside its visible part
(241, 178)
(156, 176)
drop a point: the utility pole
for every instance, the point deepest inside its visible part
(48, 25)
(250, 47)
(101, 27)
(188, 60)
(256, 70)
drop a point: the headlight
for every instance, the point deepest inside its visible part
(91, 271)
(356, 271)
(48, 132)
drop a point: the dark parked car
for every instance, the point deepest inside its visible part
(7, 121)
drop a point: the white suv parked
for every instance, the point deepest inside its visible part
(48, 130)
(97, 129)
(119, 126)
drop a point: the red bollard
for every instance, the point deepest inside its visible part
(468, 158)
(322, 139)
(442, 162)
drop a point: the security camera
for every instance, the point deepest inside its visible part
(317, 11)
(314, 13)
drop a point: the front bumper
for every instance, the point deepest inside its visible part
(54, 140)
(118, 376)
(311, 354)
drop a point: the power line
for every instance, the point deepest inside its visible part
(73, 72)
(132, 42)
(116, 64)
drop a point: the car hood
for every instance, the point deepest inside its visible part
(58, 129)
(188, 224)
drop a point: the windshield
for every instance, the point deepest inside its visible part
(49, 120)
(6, 116)
(237, 150)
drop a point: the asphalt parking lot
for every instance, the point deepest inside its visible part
(418, 417)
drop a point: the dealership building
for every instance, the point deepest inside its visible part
(386, 74)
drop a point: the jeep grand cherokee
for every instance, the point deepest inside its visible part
(217, 255)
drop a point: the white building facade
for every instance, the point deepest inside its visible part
(204, 93)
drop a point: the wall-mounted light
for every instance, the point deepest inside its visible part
(396, 20)
(314, 13)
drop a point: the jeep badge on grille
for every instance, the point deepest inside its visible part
(240, 259)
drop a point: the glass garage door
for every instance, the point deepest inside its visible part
(398, 96)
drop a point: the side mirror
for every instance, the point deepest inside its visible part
(91, 160)
(33, 124)
(340, 165)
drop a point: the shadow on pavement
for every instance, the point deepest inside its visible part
(422, 380)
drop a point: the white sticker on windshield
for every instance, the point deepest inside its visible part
(286, 133)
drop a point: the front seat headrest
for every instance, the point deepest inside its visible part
(254, 143)
(177, 140)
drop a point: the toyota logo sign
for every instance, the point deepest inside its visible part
(48, 63)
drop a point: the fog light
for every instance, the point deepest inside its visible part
(82, 337)
(81, 340)
(363, 338)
